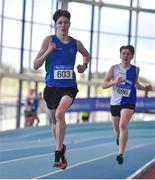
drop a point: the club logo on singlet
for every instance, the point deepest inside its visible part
(63, 72)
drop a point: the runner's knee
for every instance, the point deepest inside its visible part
(59, 115)
(123, 126)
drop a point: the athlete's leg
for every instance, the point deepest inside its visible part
(64, 104)
(126, 115)
(60, 160)
(115, 121)
(115, 112)
(35, 114)
(53, 121)
(53, 124)
(29, 121)
(26, 121)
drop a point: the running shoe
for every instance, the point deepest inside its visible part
(60, 160)
(63, 153)
(119, 158)
(57, 162)
(63, 157)
(117, 140)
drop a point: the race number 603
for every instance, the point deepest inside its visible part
(63, 74)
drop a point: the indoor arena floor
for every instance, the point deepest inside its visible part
(91, 152)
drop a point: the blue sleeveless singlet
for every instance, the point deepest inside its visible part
(60, 63)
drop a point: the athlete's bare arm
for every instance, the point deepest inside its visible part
(46, 47)
(86, 57)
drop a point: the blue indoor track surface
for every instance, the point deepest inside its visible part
(91, 152)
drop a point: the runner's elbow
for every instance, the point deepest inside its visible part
(35, 66)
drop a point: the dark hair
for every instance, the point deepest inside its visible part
(60, 13)
(129, 47)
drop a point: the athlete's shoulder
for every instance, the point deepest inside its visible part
(80, 46)
(45, 42)
(77, 42)
(133, 66)
(53, 38)
(115, 66)
(71, 37)
(47, 39)
(112, 69)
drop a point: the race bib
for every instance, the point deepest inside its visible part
(123, 90)
(63, 72)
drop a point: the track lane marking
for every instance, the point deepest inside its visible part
(88, 161)
(142, 169)
(42, 155)
(49, 141)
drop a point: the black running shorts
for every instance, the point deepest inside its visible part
(116, 110)
(53, 95)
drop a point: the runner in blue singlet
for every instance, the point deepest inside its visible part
(59, 54)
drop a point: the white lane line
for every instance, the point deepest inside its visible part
(142, 170)
(24, 148)
(88, 161)
(29, 134)
(4, 139)
(25, 158)
(47, 154)
(75, 165)
(43, 143)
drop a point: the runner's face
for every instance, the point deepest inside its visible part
(126, 56)
(62, 25)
